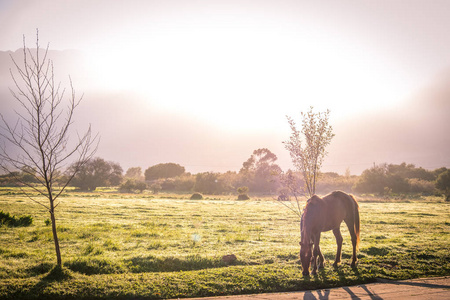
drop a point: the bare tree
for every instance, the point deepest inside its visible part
(307, 147)
(39, 139)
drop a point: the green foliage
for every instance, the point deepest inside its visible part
(332, 182)
(12, 221)
(417, 186)
(97, 173)
(132, 185)
(443, 184)
(27, 175)
(184, 183)
(243, 190)
(167, 170)
(260, 171)
(134, 173)
(156, 188)
(208, 183)
(307, 147)
(372, 180)
(403, 178)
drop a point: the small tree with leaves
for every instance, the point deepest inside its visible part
(307, 147)
(39, 143)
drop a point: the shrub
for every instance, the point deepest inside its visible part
(13, 221)
(243, 190)
(156, 188)
(443, 184)
(421, 186)
(243, 197)
(131, 185)
(196, 196)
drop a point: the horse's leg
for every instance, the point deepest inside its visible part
(353, 236)
(339, 239)
(321, 258)
(316, 253)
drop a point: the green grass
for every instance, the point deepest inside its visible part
(128, 246)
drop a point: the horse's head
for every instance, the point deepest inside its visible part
(305, 257)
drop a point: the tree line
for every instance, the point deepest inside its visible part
(260, 174)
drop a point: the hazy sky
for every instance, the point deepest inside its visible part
(230, 71)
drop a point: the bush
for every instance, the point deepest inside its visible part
(332, 182)
(443, 184)
(156, 188)
(243, 190)
(421, 186)
(196, 196)
(132, 185)
(13, 221)
(243, 197)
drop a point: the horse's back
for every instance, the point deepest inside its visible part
(339, 199)
(336, 207)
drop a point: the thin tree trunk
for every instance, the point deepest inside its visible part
(55, 236)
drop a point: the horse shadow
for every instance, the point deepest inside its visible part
(339, 292)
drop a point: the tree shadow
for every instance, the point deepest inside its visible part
(419, 284)
(58, 273)
(40, 289)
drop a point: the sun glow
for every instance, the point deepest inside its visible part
(240, 77)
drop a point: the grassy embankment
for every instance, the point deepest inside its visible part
(117, 246)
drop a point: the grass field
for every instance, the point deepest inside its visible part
(120, 246)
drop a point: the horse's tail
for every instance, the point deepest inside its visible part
(356, 220)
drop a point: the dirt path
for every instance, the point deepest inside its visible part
(426, 288)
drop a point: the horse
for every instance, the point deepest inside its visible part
(325, 214)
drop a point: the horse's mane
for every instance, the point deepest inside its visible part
(310, 204)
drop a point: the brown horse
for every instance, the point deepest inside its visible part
(324, 214)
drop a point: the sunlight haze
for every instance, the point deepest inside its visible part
(204, 83)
